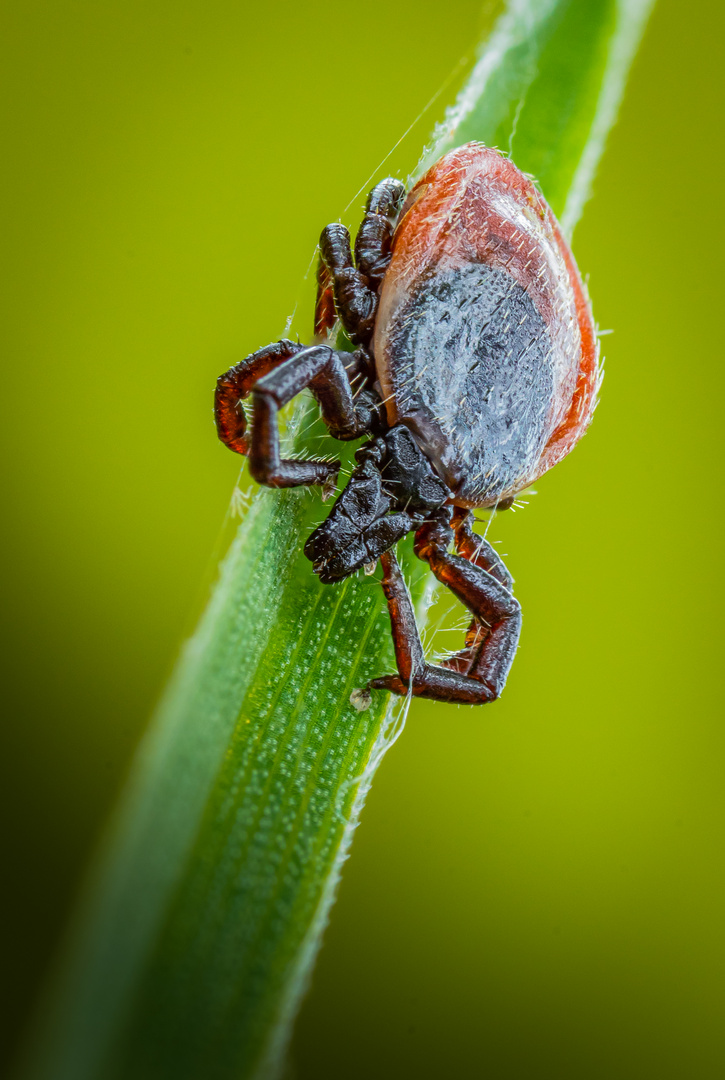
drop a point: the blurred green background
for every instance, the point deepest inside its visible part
(537, 888)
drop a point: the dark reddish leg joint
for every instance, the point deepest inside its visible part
(477, 674)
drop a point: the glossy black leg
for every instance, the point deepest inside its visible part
(351, 288)
(356, 302)
(374, 239)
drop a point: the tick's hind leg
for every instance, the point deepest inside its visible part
(478, 551)
(478, 674)
(274, 376)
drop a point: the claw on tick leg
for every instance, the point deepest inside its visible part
(370, 567)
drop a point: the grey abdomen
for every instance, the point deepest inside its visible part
(471, 359)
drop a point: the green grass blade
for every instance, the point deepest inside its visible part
(204, 913)
(546, 90)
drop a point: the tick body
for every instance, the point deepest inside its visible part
(475, 371)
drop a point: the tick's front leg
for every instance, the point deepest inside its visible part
(236, 384)
(356, 302)
(374, 241)
(354, 286)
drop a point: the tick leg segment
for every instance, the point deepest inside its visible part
(479, 552)
(355, 289)
(236, 384)
(274, 376)
(374, 239)
(415, 676)
(478, 674)
(356, 302)
(322, 370)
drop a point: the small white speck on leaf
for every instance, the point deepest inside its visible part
(361, 699)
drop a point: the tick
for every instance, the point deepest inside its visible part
(475, 370)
